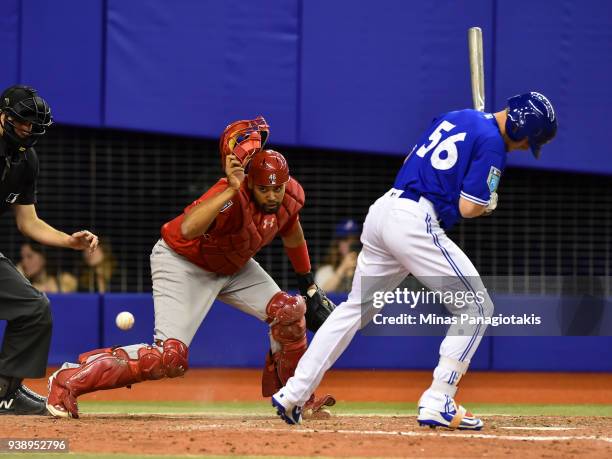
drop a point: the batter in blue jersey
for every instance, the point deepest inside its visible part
(462, 155)
(453, 171)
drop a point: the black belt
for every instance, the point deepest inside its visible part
(411, 194)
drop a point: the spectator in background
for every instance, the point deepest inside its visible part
(97, 269)
(336, 274)
(33, 265)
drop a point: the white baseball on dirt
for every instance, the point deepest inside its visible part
(125, 320)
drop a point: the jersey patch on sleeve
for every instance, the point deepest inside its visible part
(493, 178)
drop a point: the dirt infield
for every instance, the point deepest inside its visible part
(341, 436)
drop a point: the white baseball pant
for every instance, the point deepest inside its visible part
(400, 237)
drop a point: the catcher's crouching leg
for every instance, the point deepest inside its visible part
(110, 368)
(288, 328)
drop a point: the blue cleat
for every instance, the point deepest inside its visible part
(288, 412)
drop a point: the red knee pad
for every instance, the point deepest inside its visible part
(172, 361)
(285, 309)
(286, 316)
(149, 363)
(175, 358)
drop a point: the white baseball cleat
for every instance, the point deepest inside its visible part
(452, 417)
(288, 412)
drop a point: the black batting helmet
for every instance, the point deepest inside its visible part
(24, 105)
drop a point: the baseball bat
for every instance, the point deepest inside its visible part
(476, 67)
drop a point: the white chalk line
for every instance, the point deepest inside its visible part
(229, 414)
(544, 429)
(463, 434)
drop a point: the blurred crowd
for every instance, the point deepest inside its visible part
(93, 274)
(96, 271)
(336, 272)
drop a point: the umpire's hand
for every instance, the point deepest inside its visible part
(83, 240)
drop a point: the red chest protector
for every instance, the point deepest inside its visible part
(226, 252)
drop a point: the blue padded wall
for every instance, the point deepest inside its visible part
(375, 74)
(552, 353)
(562, 48)
(193, 66)
(231, 338)
(229, 335)
(356, 76)
(343, 75)
(61, 56)
(76, 326)
(141, 306)
(9, 42)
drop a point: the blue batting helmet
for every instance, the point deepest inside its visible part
(531, 115)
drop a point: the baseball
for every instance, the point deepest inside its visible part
(125, 320)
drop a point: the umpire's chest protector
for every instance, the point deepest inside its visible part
(227, 252)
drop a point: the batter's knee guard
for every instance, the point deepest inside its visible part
(110, 368)
(288, 328)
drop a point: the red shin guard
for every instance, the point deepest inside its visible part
(110, 369)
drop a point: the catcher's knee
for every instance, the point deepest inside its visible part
(170, 361)
(175, 357)
(286, 317)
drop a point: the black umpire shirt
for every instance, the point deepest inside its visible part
(18, 173)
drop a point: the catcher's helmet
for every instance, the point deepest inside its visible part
(531, 115)
(23, 104)
(244, 138)
(268, 168)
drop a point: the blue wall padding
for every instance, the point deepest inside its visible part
(76, 326)
(553, 353)
(141, 306)
(193, 66)
(564, 49)
(375, 74)
(346, 75)
(9, 43)
(61, 56)
(229, 335)
(230, 338)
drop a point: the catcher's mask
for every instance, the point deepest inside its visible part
(244, 138)
(23, 105)
(268, 168)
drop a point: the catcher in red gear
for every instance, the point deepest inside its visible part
(206, 253)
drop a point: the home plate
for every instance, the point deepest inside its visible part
(540, 428)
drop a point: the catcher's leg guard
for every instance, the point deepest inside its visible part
(288, 328)
(110, 368)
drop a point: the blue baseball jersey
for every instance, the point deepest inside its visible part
(461, 154)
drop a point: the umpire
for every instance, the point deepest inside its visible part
(24, 118)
